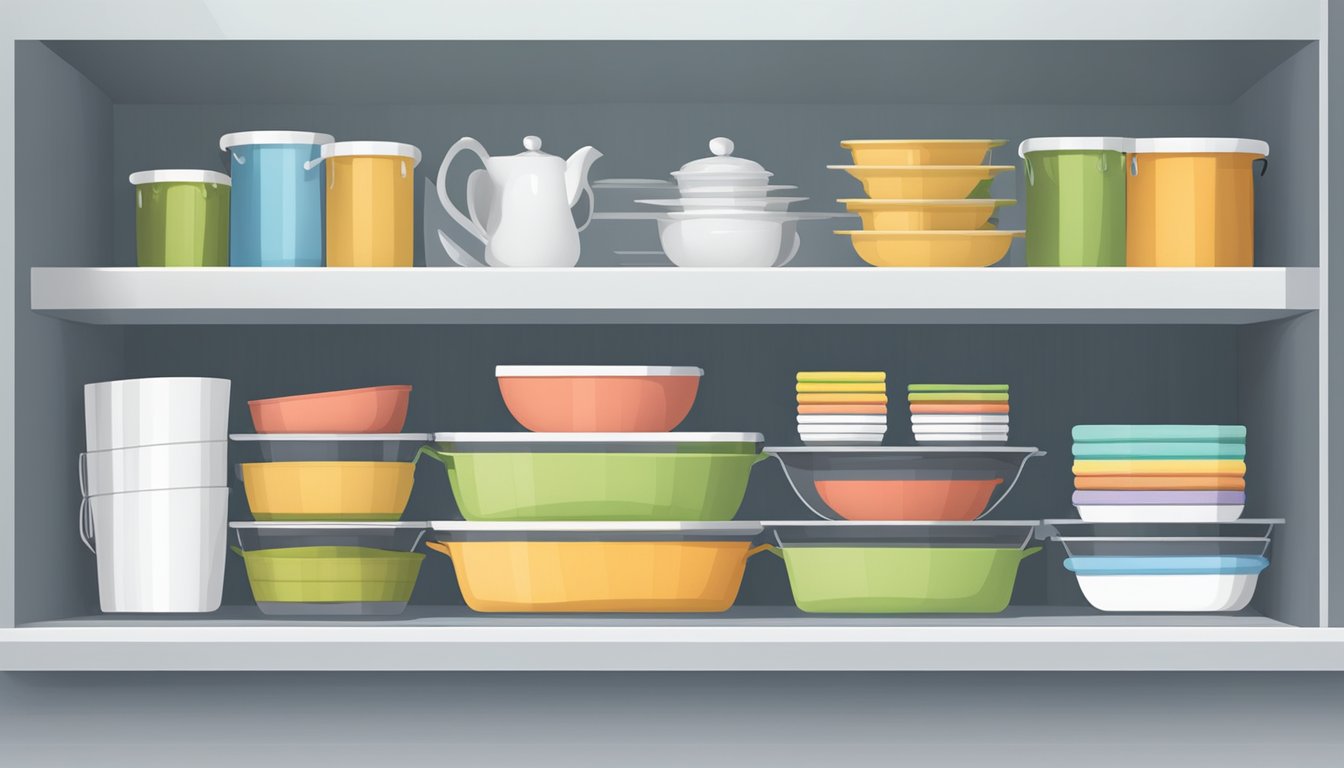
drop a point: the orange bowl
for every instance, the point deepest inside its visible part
(616, 398)
(931, 500)
(370, 410)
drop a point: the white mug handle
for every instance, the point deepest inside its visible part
(86, 524)
(84, 475)
(464, 143)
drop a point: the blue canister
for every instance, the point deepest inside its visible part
(275, 218)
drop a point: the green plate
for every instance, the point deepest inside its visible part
(958, 388)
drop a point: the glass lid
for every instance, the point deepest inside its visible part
(401, 536)
(459, 530)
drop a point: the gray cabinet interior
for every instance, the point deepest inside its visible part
(89, 113)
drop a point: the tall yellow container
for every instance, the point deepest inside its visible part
(370, 203)
(1191, 202)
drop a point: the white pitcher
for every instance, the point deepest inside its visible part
(519, 205)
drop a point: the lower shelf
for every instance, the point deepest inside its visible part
(744, 639)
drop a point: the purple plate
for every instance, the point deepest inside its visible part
(1103, 498)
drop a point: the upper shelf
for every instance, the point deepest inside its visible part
(685, 20)
(133, 296)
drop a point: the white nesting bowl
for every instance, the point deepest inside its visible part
(727, 240)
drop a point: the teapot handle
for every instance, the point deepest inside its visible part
(473, 227)
(592, 205)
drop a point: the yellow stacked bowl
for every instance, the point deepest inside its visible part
(928, 202)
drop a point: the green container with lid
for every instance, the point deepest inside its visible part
(181, 218)
(897, 579)
(1075, 200)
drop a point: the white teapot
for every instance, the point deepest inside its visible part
(519, 205)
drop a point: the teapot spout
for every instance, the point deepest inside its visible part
(576, 172)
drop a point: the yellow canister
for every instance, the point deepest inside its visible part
(370, 203)
(1191, 202)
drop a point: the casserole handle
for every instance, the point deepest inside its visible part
(1009, 489)
(236, 550)
(759, 548)
(1028, 552)
(439, 546)
(444, 458)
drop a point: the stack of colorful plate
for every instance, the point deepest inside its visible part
(1192, 473)
(959, 413)
(928, 202)
(842, 407)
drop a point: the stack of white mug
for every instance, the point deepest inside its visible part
(156, 498)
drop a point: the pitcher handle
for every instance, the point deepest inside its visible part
(86, 524)
(592, 205)
(467, 143)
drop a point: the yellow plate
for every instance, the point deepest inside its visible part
(976, 248)
(920, 151)
(921, 182)
(1192, 467)
(837, 386)
(906, 215)
(843, 376)
(328, 491)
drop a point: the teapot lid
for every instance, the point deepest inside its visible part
(722, 163)
(532, 148)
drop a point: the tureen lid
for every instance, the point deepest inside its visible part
(722, 162)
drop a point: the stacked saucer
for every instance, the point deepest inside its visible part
(1188, 473)
(842, 407)
(959, 413)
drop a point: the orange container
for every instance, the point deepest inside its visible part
(936, 500)
(370, 203)
(1191, 202)
(598, 398)
(371, 410)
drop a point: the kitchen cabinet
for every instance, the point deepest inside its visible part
(91, 103)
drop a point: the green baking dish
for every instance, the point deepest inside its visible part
(536, 477)
(902, 568)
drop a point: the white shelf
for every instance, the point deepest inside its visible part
(670, 295)
(745, 639)
(686, 19)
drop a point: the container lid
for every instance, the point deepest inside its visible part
(371, 148)
(401, 536)
(180, 175)
(1102, 565)
(1187, 145)
(1144, 498)
(593, 531)
(847, 143)
(244, 138)
(327, 437)
(910, 450)
(1079, 143)
(745, 528)
(979, 534)
(879, 203)
(408, 525)
(643, 438)
(503, 371)
(722, 163)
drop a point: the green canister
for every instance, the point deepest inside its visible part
(1075, 200)
(181, 218)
